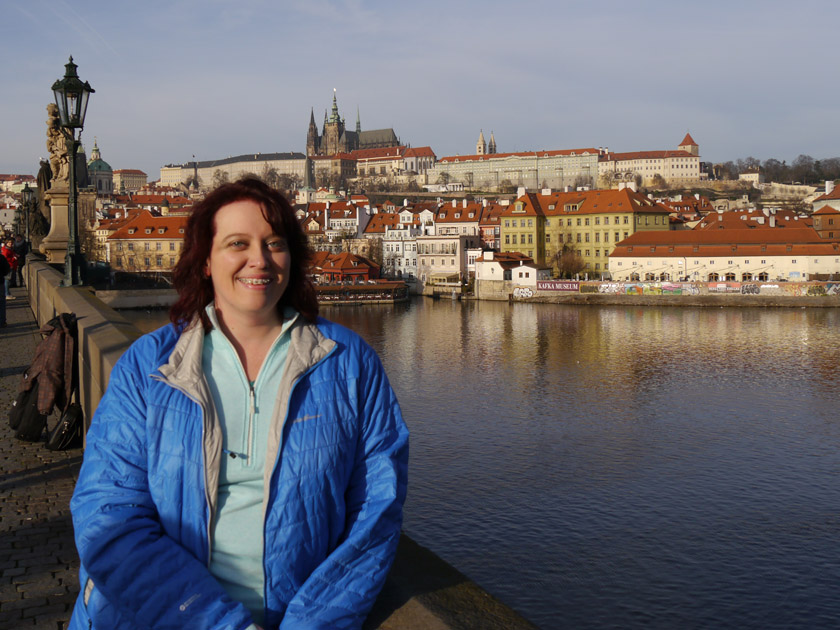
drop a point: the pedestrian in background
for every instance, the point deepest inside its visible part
(21, 249)
(8, 252)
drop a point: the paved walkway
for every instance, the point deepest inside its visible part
(38, 560)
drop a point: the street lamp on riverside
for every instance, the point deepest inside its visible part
(28, 196)
(71, 97)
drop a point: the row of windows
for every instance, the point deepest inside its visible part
(148, 246)
(147, 261)
(585, 221)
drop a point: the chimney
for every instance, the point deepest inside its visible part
(488, 255)
(772, 221)
(454, 203)
(464, 203)
(484, 203)
(829, 186)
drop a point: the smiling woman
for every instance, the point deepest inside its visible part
(250, 452)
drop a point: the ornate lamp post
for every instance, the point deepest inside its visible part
(71, 97)
(28, 196)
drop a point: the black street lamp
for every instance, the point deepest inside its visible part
(71, 97)
(28, 196)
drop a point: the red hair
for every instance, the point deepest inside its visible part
(195, 289)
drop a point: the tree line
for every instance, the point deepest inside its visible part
(803, 170)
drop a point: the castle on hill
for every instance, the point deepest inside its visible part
(335, 138)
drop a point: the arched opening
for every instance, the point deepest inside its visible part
(730, 277)
(634, 277)
(664, 277)
(713, 277)
(746, 276)
(763, 276)
(650, 277)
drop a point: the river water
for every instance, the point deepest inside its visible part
(623, 467)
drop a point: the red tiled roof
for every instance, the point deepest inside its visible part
(381, 221)
(379, 153)
(147, 227)
(827, 210)
(746, 242)
(587, 202)
(688, 140)
(420, 152)
(752, 219)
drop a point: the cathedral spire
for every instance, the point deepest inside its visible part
(358, 121)
(335, 117)
(481, 145)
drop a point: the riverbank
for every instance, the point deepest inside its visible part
(709, 300)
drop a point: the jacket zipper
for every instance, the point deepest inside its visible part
(251, 413)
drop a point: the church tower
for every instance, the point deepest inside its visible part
(491, 148)
(689, 145)
(333, 131)
(481, 145)
(312, 138)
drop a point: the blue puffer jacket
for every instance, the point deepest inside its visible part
(336, 469)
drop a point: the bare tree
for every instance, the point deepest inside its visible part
(220, 177)
(568, 262)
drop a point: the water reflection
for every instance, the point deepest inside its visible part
(624, 467)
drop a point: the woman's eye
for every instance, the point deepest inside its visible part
(278, 245)
(237, 243)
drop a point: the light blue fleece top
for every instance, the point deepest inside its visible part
(244, 410)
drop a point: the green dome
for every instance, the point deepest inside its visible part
(99, 166)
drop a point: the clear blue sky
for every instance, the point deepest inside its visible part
(215, 78)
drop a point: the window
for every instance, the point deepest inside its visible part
(597, 220)
(147, 261)
(147, 246)
(507, 223)
(578, 221)
(586, 236)
(625, 221)
(171, 246)
(159, 261)
(514, 239)
(158, 246)
(548, 238)
(119, 246)
(530, 223)
(131, 246)
(597, 237)
(606, 220)
(578, 237)
(568, 222)
(530, 239)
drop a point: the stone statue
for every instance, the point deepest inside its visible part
(44, 179)
(57, 146)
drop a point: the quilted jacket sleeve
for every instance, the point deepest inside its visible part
(343, 589)
(137, 569)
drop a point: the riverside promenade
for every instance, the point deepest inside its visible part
(39, 563)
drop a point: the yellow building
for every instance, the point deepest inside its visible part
(587, 223)
(129, 180)
(147, 243)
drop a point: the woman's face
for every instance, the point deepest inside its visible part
(249, 265)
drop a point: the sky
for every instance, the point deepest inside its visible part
(216, 78)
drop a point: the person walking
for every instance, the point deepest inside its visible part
(5, 269)
(8, 253)
(21, 249)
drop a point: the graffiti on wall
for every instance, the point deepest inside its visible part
(522, 293)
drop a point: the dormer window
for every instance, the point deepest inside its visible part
(161, 230)
(148, 230)
(180, 230)
(132, 230)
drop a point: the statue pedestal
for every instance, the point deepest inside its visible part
(54, 245)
